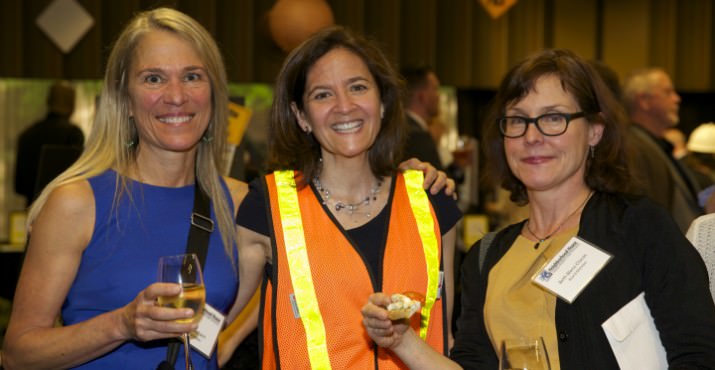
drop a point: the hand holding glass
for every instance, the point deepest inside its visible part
(523, 354)
(185, 270)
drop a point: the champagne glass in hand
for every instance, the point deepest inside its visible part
(185, 270)
(523, 354)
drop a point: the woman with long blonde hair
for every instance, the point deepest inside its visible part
(98, 230)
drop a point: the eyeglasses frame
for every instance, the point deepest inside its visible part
(529, 120)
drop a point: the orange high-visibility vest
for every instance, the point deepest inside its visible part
(311, 304)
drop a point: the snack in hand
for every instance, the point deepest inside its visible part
(402, 307)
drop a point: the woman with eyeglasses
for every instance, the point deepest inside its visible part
(606, 279)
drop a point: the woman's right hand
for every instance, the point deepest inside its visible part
(399, 338)
(385, 332)
(144, 320)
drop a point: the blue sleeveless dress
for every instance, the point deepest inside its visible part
(122, 258)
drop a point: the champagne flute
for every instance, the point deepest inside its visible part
(523, 354)
(185, 270)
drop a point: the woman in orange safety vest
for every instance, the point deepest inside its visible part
(340, 221)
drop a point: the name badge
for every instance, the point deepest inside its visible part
(572, 269)
(205, 337)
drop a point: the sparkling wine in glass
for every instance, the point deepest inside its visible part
(523, 354)
(185, 270)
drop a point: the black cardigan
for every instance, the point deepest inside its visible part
(651, 255)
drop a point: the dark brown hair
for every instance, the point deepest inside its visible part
(291, 148)
(608, 169)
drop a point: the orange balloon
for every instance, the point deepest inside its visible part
(290, 22)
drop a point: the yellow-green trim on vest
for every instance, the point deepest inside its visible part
(299, 266)
(425, 224)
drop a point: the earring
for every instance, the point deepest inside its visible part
(593, 150)
(308, 129)
(382, 112)
(132, 132)
(206, 138)
(131, 142)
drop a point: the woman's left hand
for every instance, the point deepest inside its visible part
(434, 180)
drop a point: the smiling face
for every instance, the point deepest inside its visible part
(170, 93)
(550, 162)
(342, 104)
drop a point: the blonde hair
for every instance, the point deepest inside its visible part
(108, 145)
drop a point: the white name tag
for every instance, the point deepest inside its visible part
(205, 337)
(571, 269)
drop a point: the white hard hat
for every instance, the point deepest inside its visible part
(702, 139)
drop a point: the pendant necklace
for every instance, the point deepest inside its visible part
(352, 208)
(540, 239)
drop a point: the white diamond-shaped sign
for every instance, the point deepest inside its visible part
(65, 22)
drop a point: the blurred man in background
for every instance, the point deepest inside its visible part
(653, 104)
(422, 106)
(53, 133)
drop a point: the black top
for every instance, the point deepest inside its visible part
(368, 239)
(650, 255)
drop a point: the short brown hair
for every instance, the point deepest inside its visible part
(608, 169)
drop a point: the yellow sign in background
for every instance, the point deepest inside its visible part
(238, 117)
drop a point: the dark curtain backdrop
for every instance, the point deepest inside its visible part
(467, 47)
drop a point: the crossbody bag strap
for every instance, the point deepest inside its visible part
(201, 225)
(198, 242)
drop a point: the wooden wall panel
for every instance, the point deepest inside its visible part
(527, 30)
(574, 26)
(384, 25)
(85, 60)
(625, 40)
(236, 22)
(693, 40)
(113, 18)
(712, 52)
(418, 29)
(662, 34)
(267, 56)
(456, 48)
(204, 11)
(40, 57)
(352, 14)
(491, 50)
(11, 31)
(457, 37)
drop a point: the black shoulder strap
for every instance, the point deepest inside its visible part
(201, 225)
(172, 352)
(198, 242)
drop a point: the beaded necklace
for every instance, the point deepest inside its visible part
(350, 207)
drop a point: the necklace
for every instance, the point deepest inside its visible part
(352, 208)
(541, 240)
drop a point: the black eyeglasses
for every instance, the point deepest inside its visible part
(549, 124)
